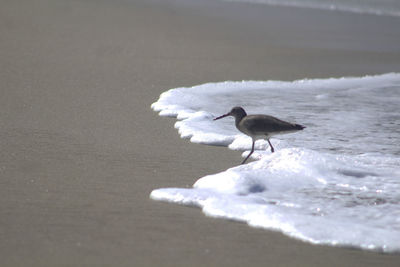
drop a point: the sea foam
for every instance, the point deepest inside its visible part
(336, 183)
(372, 7)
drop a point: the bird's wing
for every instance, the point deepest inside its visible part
(263, 124)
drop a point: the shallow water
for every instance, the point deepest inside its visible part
(337, 182)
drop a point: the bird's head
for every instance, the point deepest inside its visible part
(237, 112)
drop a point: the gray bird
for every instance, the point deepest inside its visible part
(260, 126)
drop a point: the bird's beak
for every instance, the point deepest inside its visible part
(222, 116)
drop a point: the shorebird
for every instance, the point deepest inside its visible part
(260, 126)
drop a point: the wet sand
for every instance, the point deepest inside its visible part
(81, 150)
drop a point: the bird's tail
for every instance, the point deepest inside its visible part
(299, 127)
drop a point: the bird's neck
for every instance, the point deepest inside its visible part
(238, 118)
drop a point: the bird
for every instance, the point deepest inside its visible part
(259, 126)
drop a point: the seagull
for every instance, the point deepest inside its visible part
(260, 126)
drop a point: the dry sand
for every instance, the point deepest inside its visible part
(80, 148)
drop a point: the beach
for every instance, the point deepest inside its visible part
(81, 149)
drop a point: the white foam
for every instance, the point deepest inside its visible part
(373, 7)
(337, 182)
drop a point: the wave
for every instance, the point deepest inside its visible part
(335, 183)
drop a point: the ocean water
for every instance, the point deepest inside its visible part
(376, 7)
(336, 183)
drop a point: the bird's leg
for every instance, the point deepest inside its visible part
(272, 148)
(251, 152)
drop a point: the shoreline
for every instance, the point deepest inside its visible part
(82, 149)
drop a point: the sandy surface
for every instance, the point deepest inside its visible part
(80, 148)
